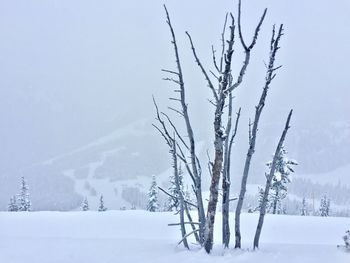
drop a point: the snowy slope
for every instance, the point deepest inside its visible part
(119, 165)
(139, 236)
(340, 175)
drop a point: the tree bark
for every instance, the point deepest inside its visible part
(268, 183)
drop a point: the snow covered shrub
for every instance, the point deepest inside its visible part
(325, 206)
(102, 207)
(346, 239)
(12, 206)
(85, 205)
(278, 191)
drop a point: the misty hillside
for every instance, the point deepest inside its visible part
(120, 166)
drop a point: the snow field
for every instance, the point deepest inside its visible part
(140, 236)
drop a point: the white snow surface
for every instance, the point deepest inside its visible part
(140, 236)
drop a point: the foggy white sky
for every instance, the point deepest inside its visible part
(71, 71)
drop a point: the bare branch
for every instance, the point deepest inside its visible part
(214, 75)
(177, 111)
(172, 80)
(257, 29)
(186, 223)
(175, 99)
(165, 132)
(170, 71)
(212, 103)
(210, 84)
(184, 160)
(191, 233)
(162, 134)
(250, 124)
(223, 43)
(214, 59)
(235, 130)
(172, 196)
(246, 48)
(176, 131)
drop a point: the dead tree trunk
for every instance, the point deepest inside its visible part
(226, 178)
(270, 75)
(268, 183)
(179, 193)
(193, 167)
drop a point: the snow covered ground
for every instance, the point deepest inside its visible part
(140, 236)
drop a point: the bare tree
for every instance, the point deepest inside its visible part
(223, 140)
(268, 182)
(225, 87)
(193, 165)
(253, 128)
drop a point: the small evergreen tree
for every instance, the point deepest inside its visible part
(85, 205)
(153, 205)
(12, 206)
(23, 201)
(172, 203)
(304, 210)
(346, 239)
(325, 206)
(280, 180)
(102, 207)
